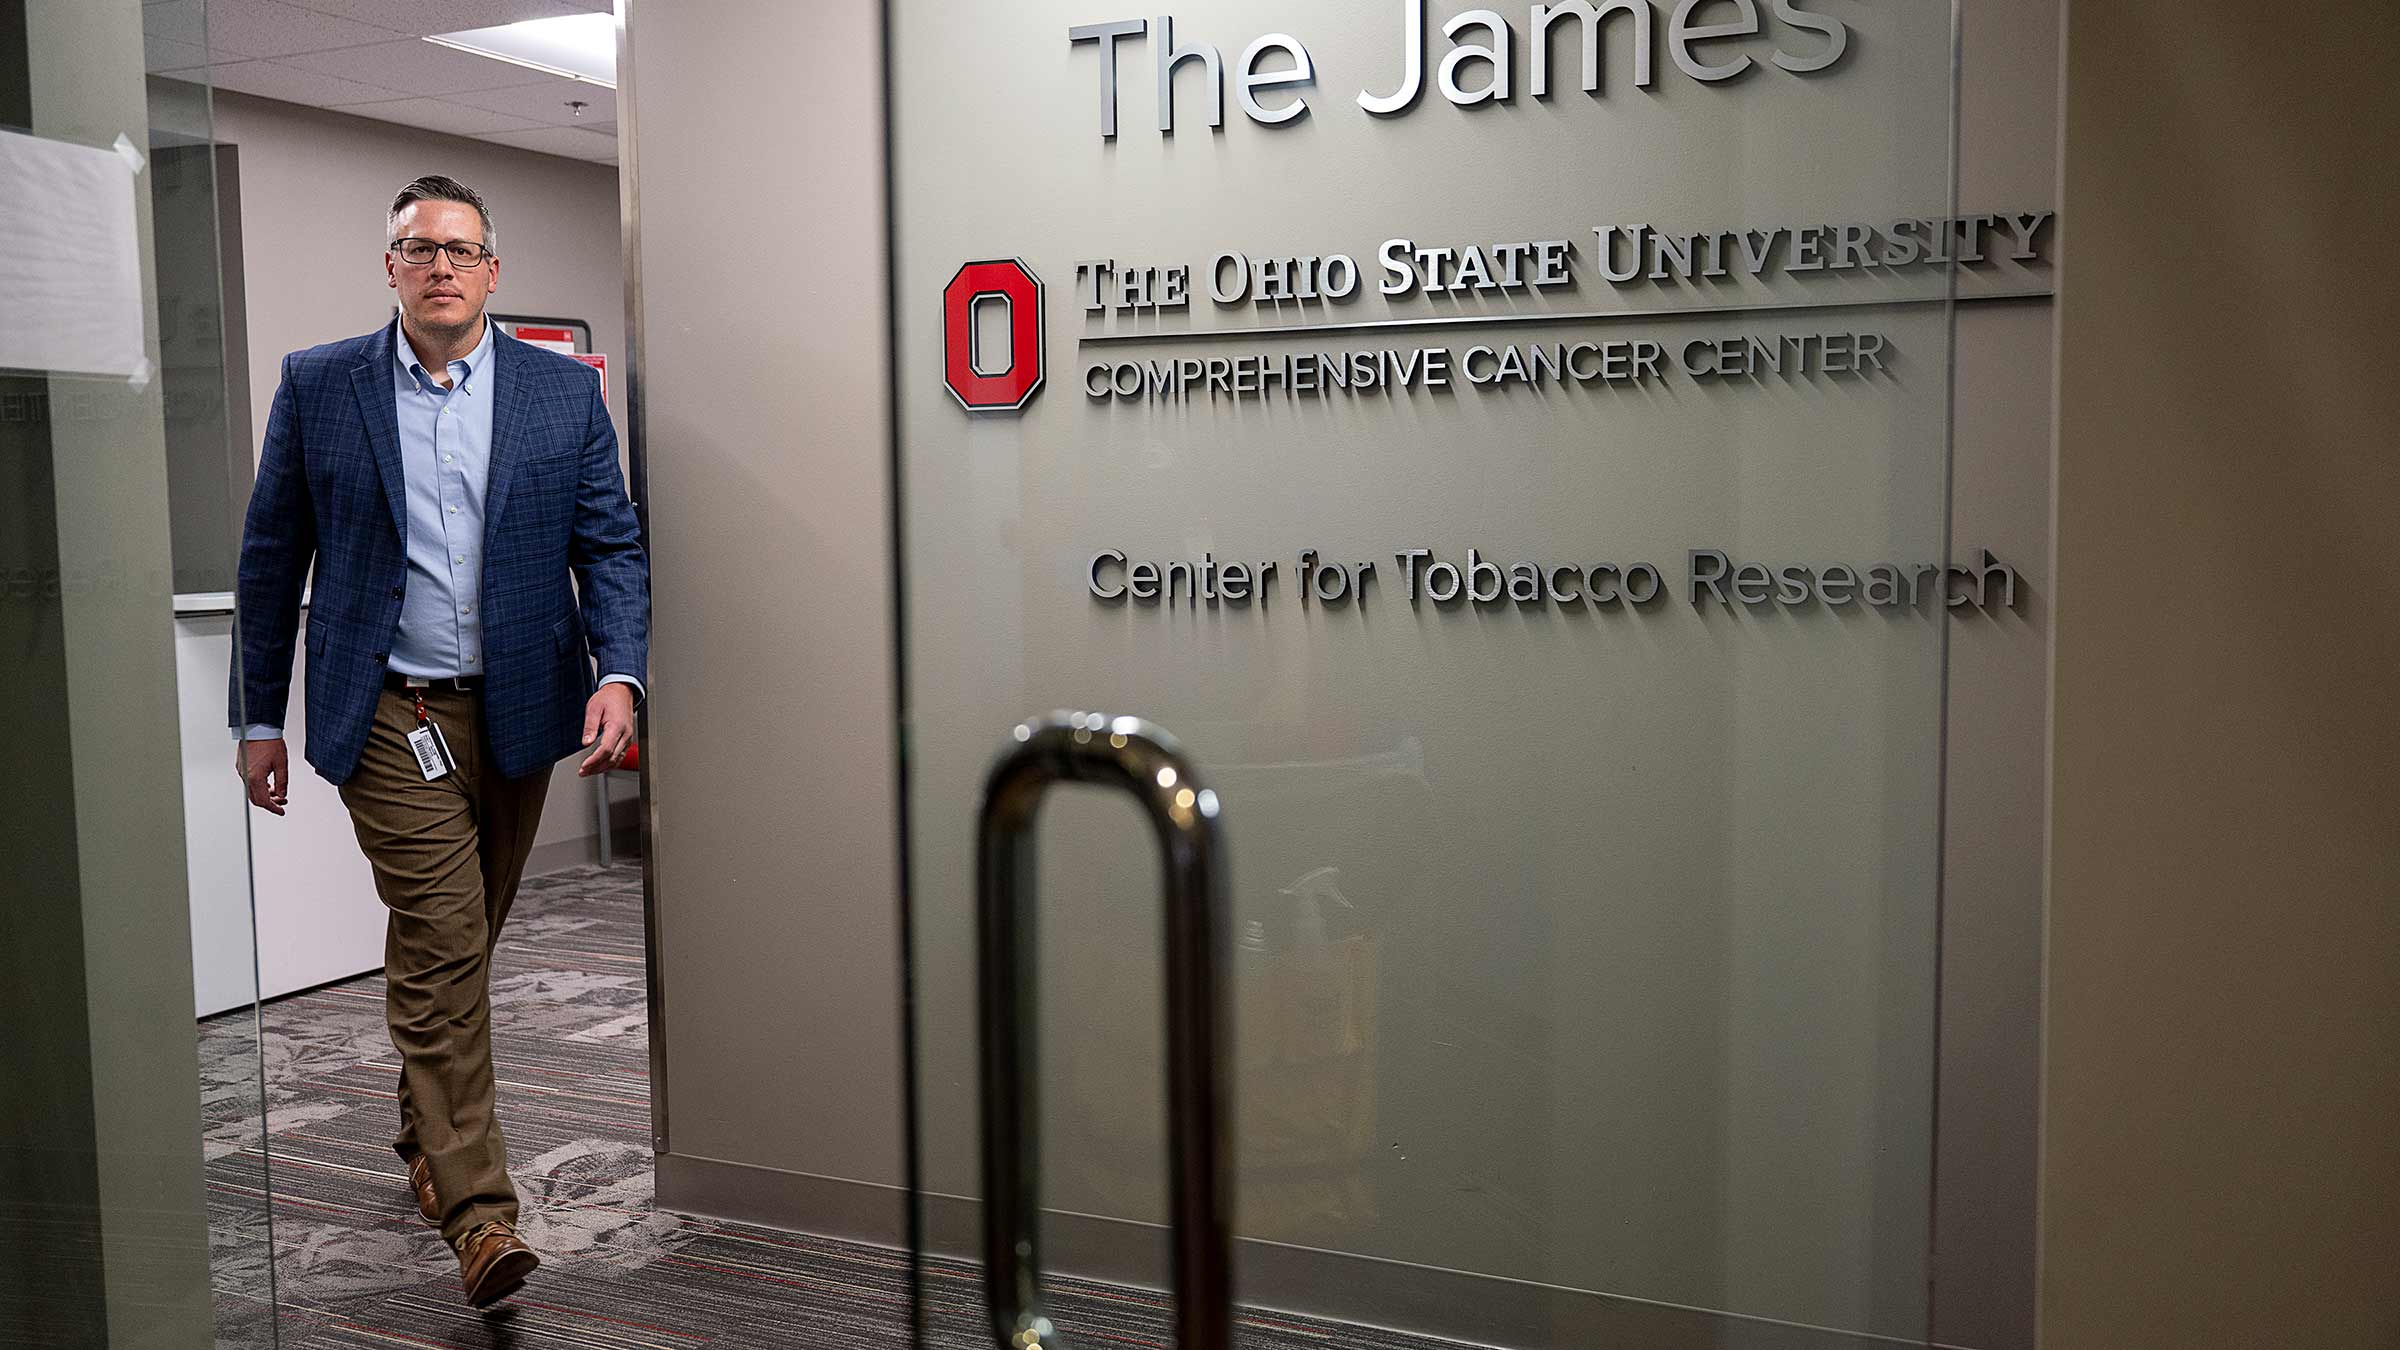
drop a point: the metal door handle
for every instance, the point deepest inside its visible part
(1127, 753)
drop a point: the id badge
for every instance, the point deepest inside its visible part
(432, 751)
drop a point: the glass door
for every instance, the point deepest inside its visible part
(134, 1196)
(1508, 451)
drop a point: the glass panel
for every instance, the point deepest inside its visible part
(133, 1175)
(1521, 483)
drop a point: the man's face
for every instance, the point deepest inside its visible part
(440, 296)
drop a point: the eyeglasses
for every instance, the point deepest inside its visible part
(419, 252)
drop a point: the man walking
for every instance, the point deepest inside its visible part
(446, 481)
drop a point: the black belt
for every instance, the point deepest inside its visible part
(465, 684)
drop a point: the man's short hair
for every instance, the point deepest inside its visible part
(433, 187)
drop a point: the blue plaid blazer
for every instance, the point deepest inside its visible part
(330, 492)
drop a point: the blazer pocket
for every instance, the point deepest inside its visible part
(317, 635)
(553, 466)
(562, 634)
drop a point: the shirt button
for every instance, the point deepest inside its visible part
(460, 558)
(445, 459)
(466, 609)
(454, 510)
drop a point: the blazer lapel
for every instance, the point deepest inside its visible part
(378, 405)
(509, 397)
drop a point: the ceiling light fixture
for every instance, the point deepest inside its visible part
(574, 46)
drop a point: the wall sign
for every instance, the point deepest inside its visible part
(1800, 41)
(979, 381)
(1536, 476)
(1421, 575)
(599, 362)
(564, 336)
(1584, 312)
(1307, 286)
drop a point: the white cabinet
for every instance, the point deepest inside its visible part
(301, 874)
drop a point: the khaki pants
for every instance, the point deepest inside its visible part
(447, 857)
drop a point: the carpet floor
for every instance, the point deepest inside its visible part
(354, 1266)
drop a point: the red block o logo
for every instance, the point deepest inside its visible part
(1015, 285)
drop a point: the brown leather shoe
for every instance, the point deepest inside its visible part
(420, 1179)
(493, 1263)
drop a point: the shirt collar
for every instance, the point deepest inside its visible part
(413, 370)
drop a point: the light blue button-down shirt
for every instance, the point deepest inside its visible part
(445, 460)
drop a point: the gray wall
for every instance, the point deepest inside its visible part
(194, 207)
(315, 185)
(314, 188)
(757, 158)
(2223, 1020)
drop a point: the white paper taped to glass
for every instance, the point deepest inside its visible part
(70, 267)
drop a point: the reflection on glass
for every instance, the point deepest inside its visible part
(1584, 927)
(133, 1176)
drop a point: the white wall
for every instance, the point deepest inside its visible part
(315, 186)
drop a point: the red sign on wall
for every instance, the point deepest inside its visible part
(1013, 284)
(599, 362)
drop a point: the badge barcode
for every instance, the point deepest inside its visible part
(427, 760)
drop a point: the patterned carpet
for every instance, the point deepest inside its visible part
(355, 1267)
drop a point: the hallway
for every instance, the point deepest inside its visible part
(355, 1267)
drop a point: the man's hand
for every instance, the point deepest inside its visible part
(607, 728)
(266, 769)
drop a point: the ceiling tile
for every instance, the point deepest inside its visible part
(572, 142)
(420, 17)
(184, 21)
(418, 68)
(547, 102)
(270, 79)
(433, 114)
(273, 29)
